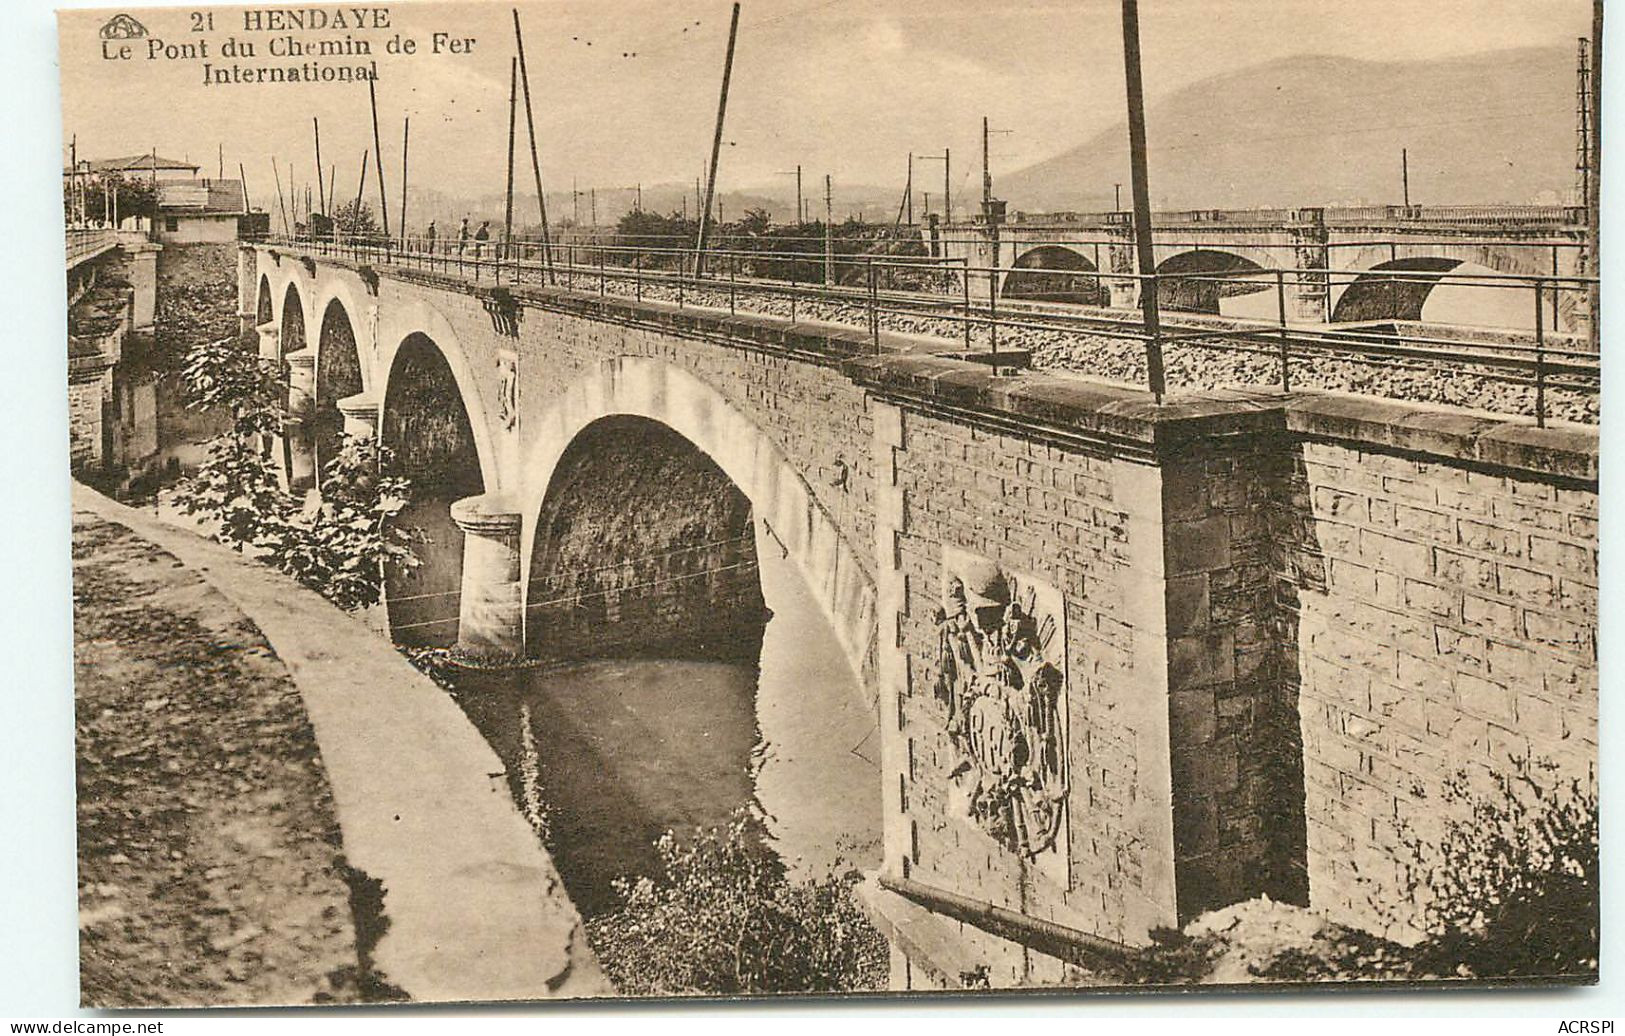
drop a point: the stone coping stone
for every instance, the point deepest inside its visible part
(1076, 406)
(1088, 408)
(1565, 451)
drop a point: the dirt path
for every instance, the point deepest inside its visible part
(210, 868)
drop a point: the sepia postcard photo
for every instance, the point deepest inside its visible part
(617, 498)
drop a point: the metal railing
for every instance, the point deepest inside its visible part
(1081, 314)
(85, 242)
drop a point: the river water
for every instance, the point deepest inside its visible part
(618, 751)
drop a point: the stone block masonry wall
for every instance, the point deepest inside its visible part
(1233, 723)
(85, 421)
(1086, 521)
(1446, 622)
(1037, 510)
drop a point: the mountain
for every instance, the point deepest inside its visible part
(1481, 129)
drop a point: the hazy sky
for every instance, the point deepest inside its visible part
(840, 86)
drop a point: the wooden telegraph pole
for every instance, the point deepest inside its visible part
(406, 138)
(1142, 198)
(716, 146)
(513, 113)
(316, 128)
(360, 191)
(535, 163)
(378, 159)
(281, 202)
(829, 241)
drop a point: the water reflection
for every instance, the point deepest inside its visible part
(628, 748)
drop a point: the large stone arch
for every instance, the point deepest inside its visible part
(429, 419)
(1497, 303)
(1049, 273)
(648, 388)
(1193, 281)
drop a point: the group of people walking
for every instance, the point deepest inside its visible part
(480, 237)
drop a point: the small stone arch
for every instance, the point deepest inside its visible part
(644, 387)
(340, 369)
(438, 333)
(1050, 273)
(1197, 281)
(264, 304)
(292, 323)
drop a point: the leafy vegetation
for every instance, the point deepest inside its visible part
(107, 192)
(1512, 887)
(340, 546)
(724, 919)
(797, 249)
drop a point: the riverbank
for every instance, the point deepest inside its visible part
(210, 867)
(457, 899)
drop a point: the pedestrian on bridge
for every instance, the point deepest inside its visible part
(481, 237)
(428, 237)
(462, 237)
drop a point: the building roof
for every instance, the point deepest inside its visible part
(205, 197)
(137, 164)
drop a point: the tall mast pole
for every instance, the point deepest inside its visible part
(241, 176)
(829, 243)
(1405, 175)
(316, 128)
(1145, 254)
(910, 188)
(987, 177)
(281, 202)
(378, 158)
(360, 191)
(513, 115)
(535, 163)
(947, 195)
(716, 145)
(406, 137)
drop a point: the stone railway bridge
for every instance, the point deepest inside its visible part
(1264, 630)
(1366, 242)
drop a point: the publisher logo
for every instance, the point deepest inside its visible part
(123, 27)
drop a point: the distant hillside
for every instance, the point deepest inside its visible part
(1496, 127)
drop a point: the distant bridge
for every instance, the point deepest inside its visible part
(1341, 261)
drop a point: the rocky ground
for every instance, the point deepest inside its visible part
(210, 868)
(1191, 366)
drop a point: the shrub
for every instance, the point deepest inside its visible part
(342, 548)
(724, 919)
(1511, 888)
(228, 374)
